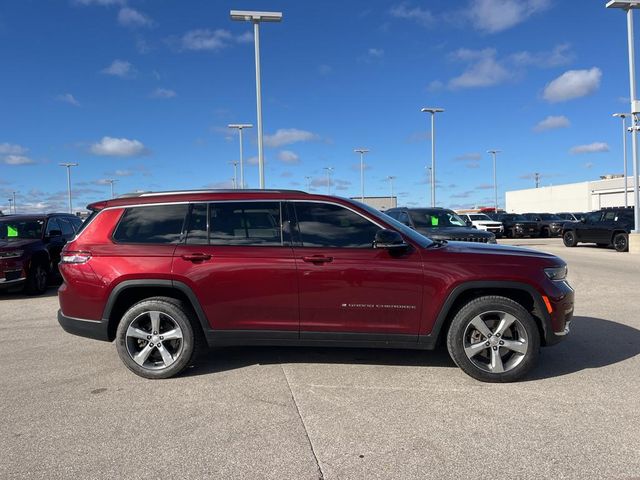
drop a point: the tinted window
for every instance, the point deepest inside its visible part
(52, 224)
(436, 219)
(67, 229)
(21, 229)
(245, 223)
(76, 223)
(609, 216)
(326, 225)
(152, 224)
(197, 224)
(593, 217)
(404, 218)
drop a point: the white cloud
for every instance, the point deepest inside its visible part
(253, 160)
(375, 52)
(18, 160)
(123, 173)
(11, 148)
(484, 69)
(417, 14)
(492, 16)
(129, 17)
(118, 147)
(204, 39)
(103, 3)
(596, 147)
(552, 122)
(287, 156)
(573, 84)
(163, 93)
(68, 98)
(119, 68)
(325, 69)
(286, 136)
(471, 156)
(559, 56)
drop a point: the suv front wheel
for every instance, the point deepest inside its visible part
(156, 339)
(569, 239)
(494, 339)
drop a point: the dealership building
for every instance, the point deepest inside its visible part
(572, 197)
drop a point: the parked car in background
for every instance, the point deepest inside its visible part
(166, 274)
(549, 224)
(30, 248)
(440, 224)
(571, 217)
(605, 227)
(482, 222)
(516, 225)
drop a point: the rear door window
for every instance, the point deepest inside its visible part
(197, 232)
(246, 223)
(151, 224)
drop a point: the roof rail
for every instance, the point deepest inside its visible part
(206, 190)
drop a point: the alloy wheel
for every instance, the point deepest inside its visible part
(495, 342)
(154, 340)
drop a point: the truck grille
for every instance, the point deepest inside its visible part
(470, 239)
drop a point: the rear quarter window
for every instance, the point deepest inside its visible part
(155, 224)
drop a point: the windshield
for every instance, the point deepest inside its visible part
(21, 229)
(479, 216)
(400, 227)
(436, 219)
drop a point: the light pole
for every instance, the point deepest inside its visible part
(68, 167)
(624, 116)
(240, 127)
(329, 171)
(308, 179)
(495, 181)
(428, 169)
(536, 177)
(111, 182)
(433, 111)
(235, 173)
(361, 151)
(628, 6)
(10, 200)
(14, 202)
(391, 179)
(256, 18)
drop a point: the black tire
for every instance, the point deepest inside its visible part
(37, 277)
(508, 233)
(523, 332)
(544, 233)
(621, 242)
(182, 351)
(569, 238)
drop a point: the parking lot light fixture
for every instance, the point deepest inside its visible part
(391, 178)
(433, 111)
(235, 173)
(329, 171)
(629, 6)
(14, 202)
(256, 18)
(240, 127)
(308, 179)
(10, 207)
(624, 116)
(68, 167)
(362, 152)
(111, 182)
(495, 178)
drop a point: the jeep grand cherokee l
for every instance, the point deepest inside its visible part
(164, 274)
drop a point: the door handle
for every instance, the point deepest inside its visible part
(317, 259)
(196, 257)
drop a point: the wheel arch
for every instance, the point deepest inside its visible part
(129, 292)
(522, 293)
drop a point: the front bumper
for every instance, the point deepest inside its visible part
(561, 315)
(96, 329)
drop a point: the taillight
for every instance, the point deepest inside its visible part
(75, 257)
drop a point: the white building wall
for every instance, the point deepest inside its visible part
(572, 197)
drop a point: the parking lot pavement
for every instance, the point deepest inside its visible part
(71, 410)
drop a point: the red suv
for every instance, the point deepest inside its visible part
(164, 274)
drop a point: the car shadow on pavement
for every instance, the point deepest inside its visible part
(231, 358)
(52, 291)
(592, 343)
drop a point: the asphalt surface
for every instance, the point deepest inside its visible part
(69, 409)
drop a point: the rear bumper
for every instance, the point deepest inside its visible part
(96, 329)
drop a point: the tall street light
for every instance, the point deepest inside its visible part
(495, 181)
(111, 182)
(433, 111)
(361, 151)
(14, 202)
(10, 200)
(391, 178)
(329, 171)
(68, 167)
(624, 116)
(235, 173)
(308, 179)
(256, 18)
(240, 127)
(628, 6)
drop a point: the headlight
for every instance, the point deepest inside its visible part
(556, 273)
(11, 254)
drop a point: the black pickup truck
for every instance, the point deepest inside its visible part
(549, 224)
(516, 225)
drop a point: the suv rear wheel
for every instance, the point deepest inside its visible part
(156, 339)
(37, 275)
(494, 339)
(569, 239)
(621, 242)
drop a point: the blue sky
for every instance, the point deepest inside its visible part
(141, 91)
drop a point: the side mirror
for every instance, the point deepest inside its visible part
(389, 239)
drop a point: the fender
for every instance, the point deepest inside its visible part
(156, 282)
(431, 339)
